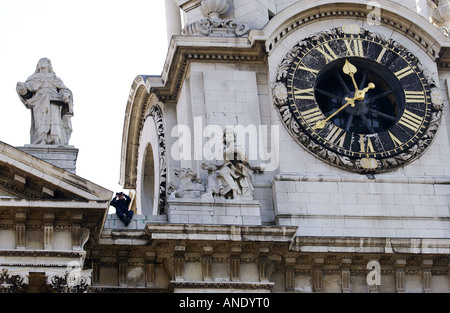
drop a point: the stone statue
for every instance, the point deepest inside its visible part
(51, 105)
(232, 178)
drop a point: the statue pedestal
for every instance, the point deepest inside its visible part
(64, 157)
(217, 211)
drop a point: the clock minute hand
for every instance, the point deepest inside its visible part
(321, 124)
(359, 95)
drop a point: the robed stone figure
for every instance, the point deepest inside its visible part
(51, 105)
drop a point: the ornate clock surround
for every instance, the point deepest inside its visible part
(289, 101)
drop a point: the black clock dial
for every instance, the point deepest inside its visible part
(355, 95)
(380, 108)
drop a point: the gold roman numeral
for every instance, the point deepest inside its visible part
(354, 47)
(328, 54)
(415, 96)
(313, 115)
(362, 144)
(395, 140)
(336, 136)
(403, 72)
(304, 94)
(380, 56)
(410, 120)
(312, 71)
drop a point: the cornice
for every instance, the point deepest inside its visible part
(396, 17)
(40, 174)
(235, 233)
(371, 245)
(185, 49)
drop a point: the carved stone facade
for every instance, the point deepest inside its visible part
(304, 225)
(261, 207)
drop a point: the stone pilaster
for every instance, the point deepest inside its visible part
(48, 219)
(179, 263)
(122, 268)
(290, 273)
(317, 273)
(235, 263)
(399, 268)
(19, 219)
(149, 260)
(345, 275)
(207, 263)
(427, 264)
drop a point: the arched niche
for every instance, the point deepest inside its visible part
(148, 170)
(147, 193)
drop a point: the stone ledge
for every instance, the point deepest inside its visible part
(221, 232)
(217, 211)
(358, 178)
(370, 245)
(117, 289)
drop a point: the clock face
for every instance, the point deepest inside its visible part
(356, 100)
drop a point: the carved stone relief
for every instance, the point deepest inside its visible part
(230, 178)
(13, 281)
(212, 25)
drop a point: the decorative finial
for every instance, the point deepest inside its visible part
(441, 16)
(213, 8)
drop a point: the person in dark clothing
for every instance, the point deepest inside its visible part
(121, 202)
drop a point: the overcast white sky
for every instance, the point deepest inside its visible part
(97, 47)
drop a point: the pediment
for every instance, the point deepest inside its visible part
(24, 176)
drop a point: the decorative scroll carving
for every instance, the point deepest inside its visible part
(209, 27)
(70, 280)
(213, 25)
(13, 281)
(156, 112)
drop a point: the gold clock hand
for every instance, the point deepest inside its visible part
(350, 70)
(321, 124)
(359, 95)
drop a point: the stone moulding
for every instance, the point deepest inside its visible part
(222, 285)
(400, 179)
(393, 16)
(108, 289)
(221, 232)
(371, 245)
